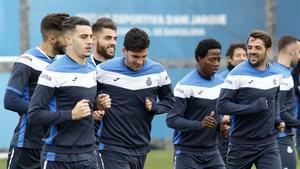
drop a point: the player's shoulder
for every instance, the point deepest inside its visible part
(34, 55)
(224, 73)
(152, 67)
(66, 65)
(111, 64)
(193, 78)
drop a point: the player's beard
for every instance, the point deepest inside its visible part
(103, 52)
(59, 48)
(260, 59)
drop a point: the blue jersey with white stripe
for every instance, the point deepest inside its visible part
(60, 87)
(195, 98)
(20, 88)
(287, 100)
(224, 73)
(127, 124)
(251, 96)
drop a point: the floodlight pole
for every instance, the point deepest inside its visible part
(24, 29)
(271, 22)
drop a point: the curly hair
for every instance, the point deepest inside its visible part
(204, 46)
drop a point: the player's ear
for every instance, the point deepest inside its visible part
(124, 50)
(51, 38)
(269, 51)
(68, 39)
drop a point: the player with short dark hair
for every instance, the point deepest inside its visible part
(64, 101)
(26, 144)
(105, 40)
(193, 117)
(236, 54)
(139, 88)
(289, 54)
(250, 96)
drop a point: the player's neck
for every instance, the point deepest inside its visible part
(98, 57)
(76, 58)
(47, 49)
(283, 59)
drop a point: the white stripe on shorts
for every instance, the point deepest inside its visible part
(11, 157)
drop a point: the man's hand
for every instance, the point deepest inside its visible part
(226, 119)
(281, 126)
(225, 126)
(148, 104)
(209, 121)
(98, 114)
(103, 102)
(81, 110)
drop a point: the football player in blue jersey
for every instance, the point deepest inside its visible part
(139, 88)
(289, 53)
(26, 144)
(105, 41)
(193, 117)
(64, 101)
(250, 95)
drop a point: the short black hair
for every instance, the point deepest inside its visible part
(136, 40)
(286, 40)
(233, 46)
(52, 22)
(262, 35)
(71, 22)
(205, 45)
(104, 23)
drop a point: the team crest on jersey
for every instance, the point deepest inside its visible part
(148, 81)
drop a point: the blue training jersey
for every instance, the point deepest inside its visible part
(127, 124)
(195, 98)
(224, 73)
(60, 87)
(287, 100)
(251, 96)
(20, 88)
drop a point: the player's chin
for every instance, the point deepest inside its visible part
(137, 68)
(214, 71)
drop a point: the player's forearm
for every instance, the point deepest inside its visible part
(13, 102)
(166, 100)
(164, 106)
(289, 120)
(181, 124)
(226, 105)
(37, 116)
